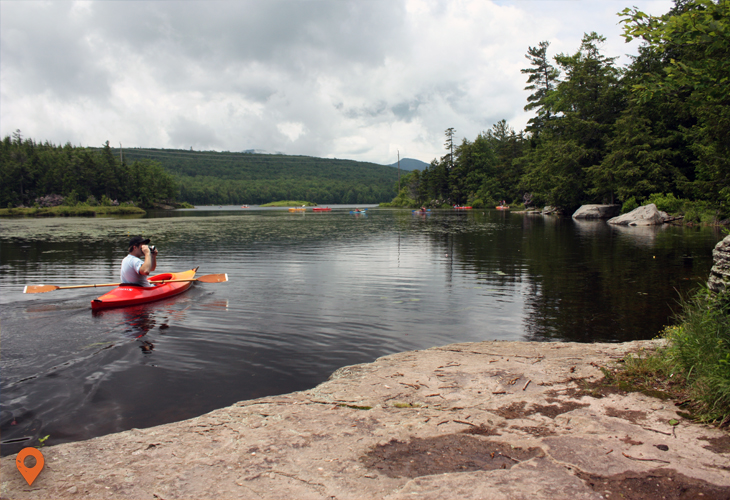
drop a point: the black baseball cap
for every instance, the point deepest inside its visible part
(138, 240)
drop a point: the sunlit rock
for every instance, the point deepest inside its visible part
(648, 215)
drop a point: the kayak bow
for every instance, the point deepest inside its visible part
(129, 295)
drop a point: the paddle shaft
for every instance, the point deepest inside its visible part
(209, 278)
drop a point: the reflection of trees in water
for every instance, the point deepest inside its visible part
(586, 281)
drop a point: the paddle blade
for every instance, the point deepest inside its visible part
(213, 278)
(39, 288)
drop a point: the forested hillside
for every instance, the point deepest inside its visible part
(44, 174)
(209, 177)
(656, 130)
(33, 173)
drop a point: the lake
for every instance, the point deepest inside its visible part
(308, 293)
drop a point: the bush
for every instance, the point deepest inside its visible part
(72, 199)
(91, 201)
(700, 348)
(666, 203)
(629, 205)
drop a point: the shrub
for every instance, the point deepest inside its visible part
(629, 205)
(666, 203)
(700, 348)
(72, 199)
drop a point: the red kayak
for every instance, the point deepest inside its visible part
(129, 295)
(320, 209)
(462, 208)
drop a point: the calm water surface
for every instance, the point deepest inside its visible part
(308, 293)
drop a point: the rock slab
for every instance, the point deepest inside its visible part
(597, 212)
(490, 420)
(648, 215)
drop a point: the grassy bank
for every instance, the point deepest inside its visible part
(75, 211)
(289, 203)
(693, 367)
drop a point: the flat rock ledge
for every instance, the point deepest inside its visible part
(491, 420)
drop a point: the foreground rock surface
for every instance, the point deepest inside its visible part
(648, 215)
(493, 420)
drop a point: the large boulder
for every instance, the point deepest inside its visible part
(719, 280)
(597, 212)
(648, 215)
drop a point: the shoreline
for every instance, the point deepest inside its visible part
(471, 420)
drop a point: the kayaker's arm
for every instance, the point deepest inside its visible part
(150, 261)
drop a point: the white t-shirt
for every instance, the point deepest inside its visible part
(130, 271)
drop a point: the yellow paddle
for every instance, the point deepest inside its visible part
(208, 278)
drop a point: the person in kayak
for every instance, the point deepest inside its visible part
(140, 262)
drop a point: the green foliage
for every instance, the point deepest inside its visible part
(542, 81)
(36, 173)
(693, 42)
(666, 203)
(699, 348)
(629, 205)
(81, 210)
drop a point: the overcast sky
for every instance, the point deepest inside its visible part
(357, 79)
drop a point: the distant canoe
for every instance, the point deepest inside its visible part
(297, 209)
(462, 208)
(503, 207)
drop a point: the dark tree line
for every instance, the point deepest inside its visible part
(31, 172)
(607, 134)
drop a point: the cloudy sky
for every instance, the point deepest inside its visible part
(359, 79)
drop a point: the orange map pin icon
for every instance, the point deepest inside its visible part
(30, 473)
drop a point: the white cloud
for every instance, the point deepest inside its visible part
(346, 79)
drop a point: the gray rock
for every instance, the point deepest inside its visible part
(719, 280)
(597, 212)
(489, 420)
(648, 215)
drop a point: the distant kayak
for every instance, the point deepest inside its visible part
(503, 207)
(297, 209)
(462, 208)
(321, 209)
(358, 211)
(130, 295)
(421, 211)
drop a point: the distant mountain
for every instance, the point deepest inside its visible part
(410, 164)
